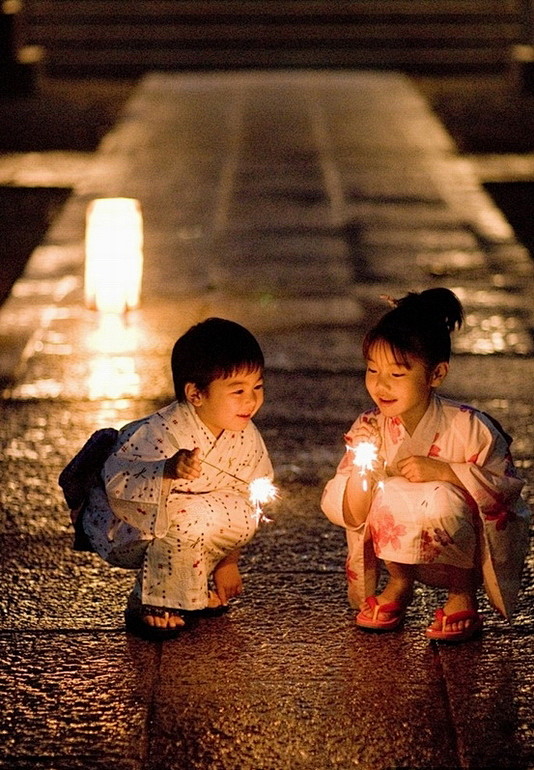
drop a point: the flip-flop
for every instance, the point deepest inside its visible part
(137, 625)
(374, 623)
(444, 635)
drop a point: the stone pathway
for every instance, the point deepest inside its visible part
(289, 201)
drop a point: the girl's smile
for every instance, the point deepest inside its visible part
(401, 389)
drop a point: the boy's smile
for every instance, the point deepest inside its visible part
(229, 403)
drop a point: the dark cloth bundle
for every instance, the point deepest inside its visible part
(82, 473)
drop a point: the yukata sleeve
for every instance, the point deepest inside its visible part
(488, 473)
(247, 458)
(334, 491)
(264, 465)
(133, 477)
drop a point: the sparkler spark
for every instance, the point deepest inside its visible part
(365, 457)
(261, 491)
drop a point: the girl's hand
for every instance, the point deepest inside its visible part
(366, 431)
(185, 464)
(418, 469)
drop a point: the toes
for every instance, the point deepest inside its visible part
(213, 600)
(167, 620)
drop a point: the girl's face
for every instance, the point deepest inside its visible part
(399, 390)
(228, 403)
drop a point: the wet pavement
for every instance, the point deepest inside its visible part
(289, 202)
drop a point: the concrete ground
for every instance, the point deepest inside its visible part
(289, 202)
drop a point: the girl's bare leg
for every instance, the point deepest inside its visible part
(399, 587)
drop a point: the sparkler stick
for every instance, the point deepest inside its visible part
(261, 491)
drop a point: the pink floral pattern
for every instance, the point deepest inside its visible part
(477, 451)
(396, 429)
(385, 531)
(430, 550)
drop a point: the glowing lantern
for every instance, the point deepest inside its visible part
(113, 254)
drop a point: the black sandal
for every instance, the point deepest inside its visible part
(135, 622)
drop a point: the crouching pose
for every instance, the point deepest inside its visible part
(173, 500)
(438, 499)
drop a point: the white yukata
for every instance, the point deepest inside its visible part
(175, 532)
(436, 523)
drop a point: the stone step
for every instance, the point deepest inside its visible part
(121, 38)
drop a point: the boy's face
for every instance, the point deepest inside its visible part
(229, 403)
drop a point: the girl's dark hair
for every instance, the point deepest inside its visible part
(419, 325)
(211, 349)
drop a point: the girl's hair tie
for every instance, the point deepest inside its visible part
(392, 302)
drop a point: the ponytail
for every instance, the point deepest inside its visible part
(437, 305)
(419, 325)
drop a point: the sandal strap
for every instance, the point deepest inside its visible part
(455, 617)
(159, 612)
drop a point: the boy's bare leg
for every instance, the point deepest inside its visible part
(227, 578)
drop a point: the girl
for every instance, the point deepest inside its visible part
(173, 502)
(441, 502)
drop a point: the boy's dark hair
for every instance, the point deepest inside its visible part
(419, 325)
(211, 349)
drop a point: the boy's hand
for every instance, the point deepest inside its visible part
(185, 464)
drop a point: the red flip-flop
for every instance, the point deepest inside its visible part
(444, 635)
(374, 623)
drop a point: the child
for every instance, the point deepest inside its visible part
(442, 502)
(174, 502)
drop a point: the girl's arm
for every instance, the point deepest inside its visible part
(487, 471)
(356, 500)
(346, 498)
(185, 464)
(418, 468)
(489, 475)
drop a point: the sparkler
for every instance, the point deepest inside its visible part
(261, 491)
(365, 457)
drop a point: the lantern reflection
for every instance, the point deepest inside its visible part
(112, 367)
(113, 254)
(113, 378)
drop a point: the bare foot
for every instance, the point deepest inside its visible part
(228, 581)
(403, 599)
(399, 590)
(160, 617)
(457, 603)
(213, 600)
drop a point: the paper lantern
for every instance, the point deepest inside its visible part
(113, 254)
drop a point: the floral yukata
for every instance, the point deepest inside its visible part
(436, 523)
(175, 531)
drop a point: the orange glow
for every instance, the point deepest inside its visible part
(113, 254)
